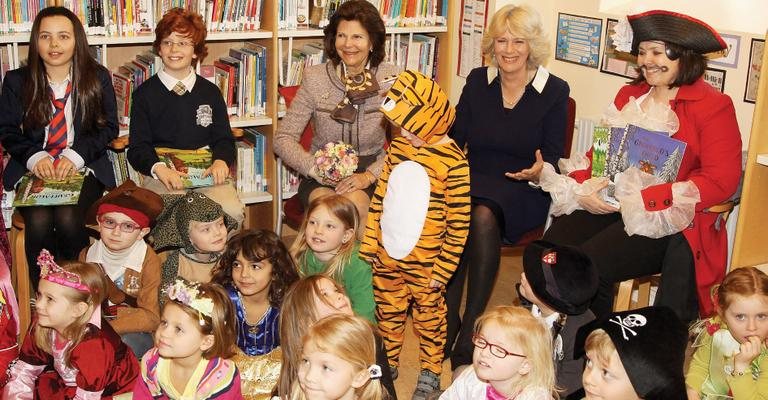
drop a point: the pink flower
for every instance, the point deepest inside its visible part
(336, 161)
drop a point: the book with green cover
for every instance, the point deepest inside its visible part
(601, 136)
(191, 162)
(33, 191)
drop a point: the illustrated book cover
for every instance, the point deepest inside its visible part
(33, 191)
(190, 162)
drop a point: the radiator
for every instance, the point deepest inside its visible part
(583, 136)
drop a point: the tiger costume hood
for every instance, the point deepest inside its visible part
(418, 105)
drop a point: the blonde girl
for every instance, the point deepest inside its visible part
(512, 359)
(338, 361)
(731, 358)
(89, 359)
(309, 300)
(327, 245)
(195, 338)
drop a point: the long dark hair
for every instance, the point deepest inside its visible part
(86, 88)
(257, 245)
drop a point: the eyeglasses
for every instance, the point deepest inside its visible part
(495, 349)
(125, 227)
(182, 45)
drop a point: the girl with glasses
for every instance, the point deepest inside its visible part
(512, 359)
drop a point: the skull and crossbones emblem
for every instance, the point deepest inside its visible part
(628, 323)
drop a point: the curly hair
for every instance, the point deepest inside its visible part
(257, 245)
(185, 23)
(368, 16)
(523, 22)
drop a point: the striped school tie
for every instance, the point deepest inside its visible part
(57, 129)
(180, 89)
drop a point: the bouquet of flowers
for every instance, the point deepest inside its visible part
(335, 161)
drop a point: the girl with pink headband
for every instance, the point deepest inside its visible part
(89, 360)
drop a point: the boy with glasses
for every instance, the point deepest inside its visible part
(178, 109)
(123, 218)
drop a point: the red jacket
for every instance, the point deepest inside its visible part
(712, 161)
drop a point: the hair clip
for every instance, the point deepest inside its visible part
(52, 272)
(188, 294)
(374, 371)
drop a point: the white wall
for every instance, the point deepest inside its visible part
(594, 90)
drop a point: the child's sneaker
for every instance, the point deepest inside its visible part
(428, 383)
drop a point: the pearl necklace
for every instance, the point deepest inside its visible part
(515, 100)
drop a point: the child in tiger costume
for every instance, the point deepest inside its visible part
(417, 223)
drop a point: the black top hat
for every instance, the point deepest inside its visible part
(651, 344)
(672, 27)
(561, 276)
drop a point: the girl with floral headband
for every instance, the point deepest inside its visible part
(89, 360)
(195, 338)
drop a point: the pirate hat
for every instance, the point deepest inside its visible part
(561, 276)
(651, 344)
(672, 27)
(141, 205)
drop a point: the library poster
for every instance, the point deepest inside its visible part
(716, 78)
(473, 19)
(729, 57)
(578, 39)
(616, 62)
(753, 72)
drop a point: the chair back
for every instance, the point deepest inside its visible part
(289, 93)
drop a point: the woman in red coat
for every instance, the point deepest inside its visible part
(670, 50)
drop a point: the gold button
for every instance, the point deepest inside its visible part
(652, 203)
(667, 202)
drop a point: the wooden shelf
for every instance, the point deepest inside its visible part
(255, 197)
(762, 159)
(309, 32)
(242, 122)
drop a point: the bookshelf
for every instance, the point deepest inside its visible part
(749, 246)
(262, 208)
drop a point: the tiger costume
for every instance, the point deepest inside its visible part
(418, 219)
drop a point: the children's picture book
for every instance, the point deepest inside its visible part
(600, 137)
(33, 191)
(191, 162)
(654, 153)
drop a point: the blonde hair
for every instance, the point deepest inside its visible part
(600, 342)
(351, 339)
(221, 323)
(341, 208)
(92, 277)
(524, 329)
(523, 22)
(297, 314)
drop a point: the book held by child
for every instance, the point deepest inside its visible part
(190, 162)
(34, 191)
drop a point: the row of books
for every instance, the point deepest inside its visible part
(294, 14)
(249, 173)
(122, 168)
(133, 17)
(128, 77)
(309, 54)
(289, 181)
(420, 54)
(242, 78)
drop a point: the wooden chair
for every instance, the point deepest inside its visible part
(623, 299)
(508, 249)
(20, 273)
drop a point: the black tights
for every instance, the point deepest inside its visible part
(480, 261)
(60, 229)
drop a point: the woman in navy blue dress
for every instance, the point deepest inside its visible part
(511, 116)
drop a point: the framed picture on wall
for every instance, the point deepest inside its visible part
(578, 39)
(616, 62)
(753, 72)
(730, 58)
(716, 78)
